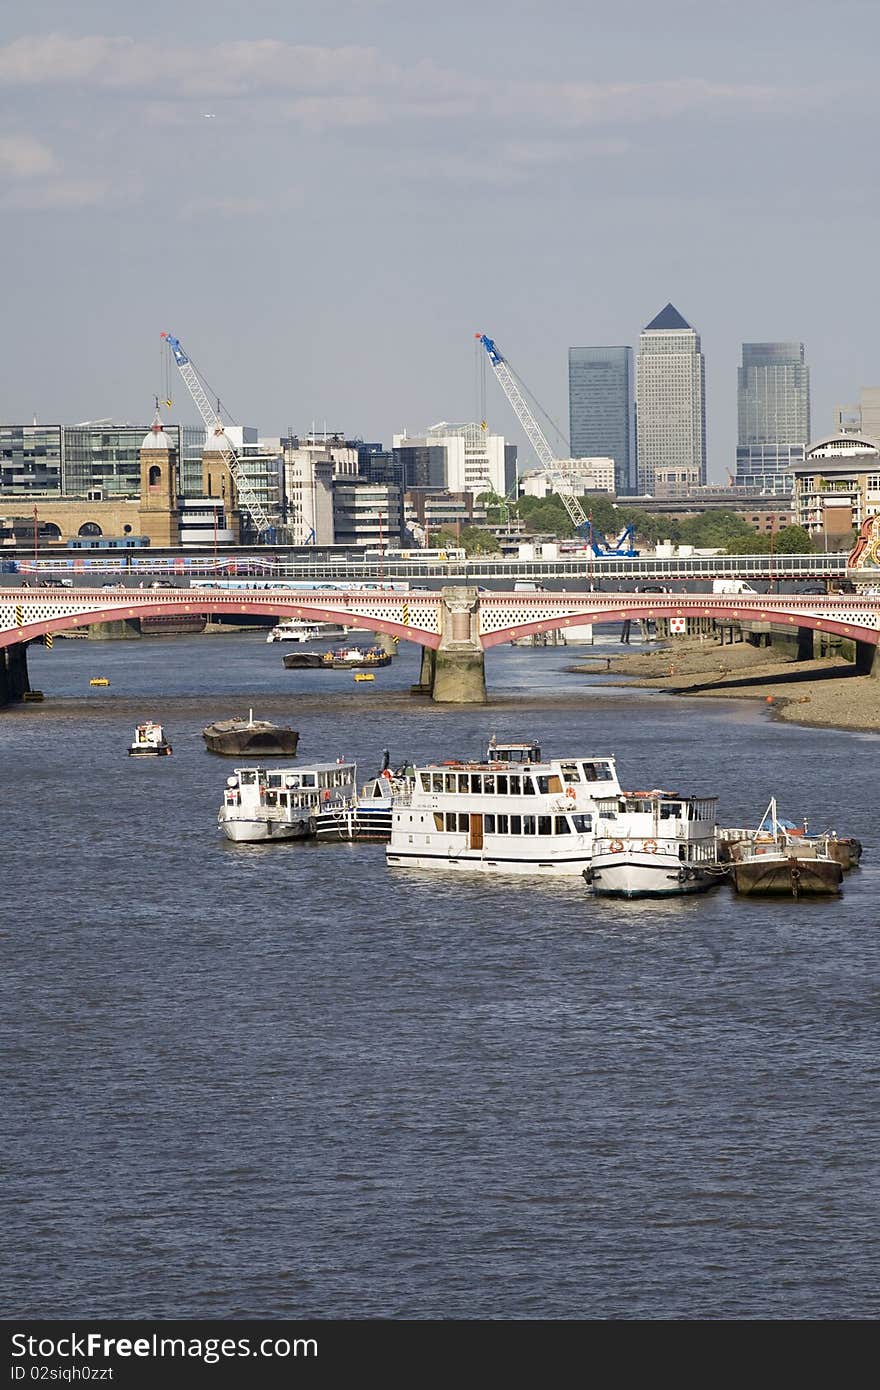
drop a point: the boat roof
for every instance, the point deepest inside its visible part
(473, 764)
(656, 794)
(300, 768)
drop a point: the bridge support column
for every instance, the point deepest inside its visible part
(805, 645)
(115, 630)
(868, 659)
(459, 667)
(14, 680)
(426, 673)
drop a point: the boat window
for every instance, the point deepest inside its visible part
(464, 822)
(528, 825)
(489, 825)
(570, 773)
(582, 824)
(438, 820)
(545, 825)
(561, 826)
(463, 782)
(309, 779)
(451, 821)
(528, 786)
(424, 781)
(516, 825)
(549, 783)
(248, 779)
(436, 781)
(489, 785)
(598, 772)
(501, 784)
(450, 783)
(669, 810)
(515, 785)
(503, 825)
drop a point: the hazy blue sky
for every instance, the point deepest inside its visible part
(325, 201)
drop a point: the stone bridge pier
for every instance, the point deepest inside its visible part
(459, 668)
(14, 680)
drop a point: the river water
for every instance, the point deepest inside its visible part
(284, 1082)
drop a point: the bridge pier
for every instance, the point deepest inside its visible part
(425, 684)
(14, 680)
(459, 665)
(868, 659)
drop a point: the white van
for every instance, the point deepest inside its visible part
(731, 586)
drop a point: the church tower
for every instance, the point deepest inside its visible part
(159, 515)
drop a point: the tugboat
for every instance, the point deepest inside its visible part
(342, 659)
(239, 735)
(149, 741)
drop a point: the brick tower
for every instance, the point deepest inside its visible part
(159, 515)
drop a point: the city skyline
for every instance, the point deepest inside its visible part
(368, 192)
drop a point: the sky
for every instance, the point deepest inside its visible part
(326, 201)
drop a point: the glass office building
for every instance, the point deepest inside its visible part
(94, 462)
(601, 409)
(773, 413)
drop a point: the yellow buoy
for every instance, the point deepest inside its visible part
(99, 680)
(364, 676)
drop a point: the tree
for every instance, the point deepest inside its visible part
(792, 540)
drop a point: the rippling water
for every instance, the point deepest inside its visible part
(283, 1081)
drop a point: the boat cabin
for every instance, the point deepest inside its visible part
(314, 786)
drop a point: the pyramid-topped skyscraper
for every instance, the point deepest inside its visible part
(671, 396)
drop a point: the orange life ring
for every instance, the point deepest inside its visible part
(650, 846)
(615, 847)
(570, 792)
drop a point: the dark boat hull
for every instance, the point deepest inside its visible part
(787, 875)
(268, 741)
(303, 661)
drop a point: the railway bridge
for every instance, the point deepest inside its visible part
(455, 625)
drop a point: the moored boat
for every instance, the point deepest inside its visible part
(149, 741)
(516, 815)
(238, 735)
(368, 816)
(654, 844)
(341, 659)
(262, 804)
(775, 861)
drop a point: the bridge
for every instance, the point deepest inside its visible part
(455, 626)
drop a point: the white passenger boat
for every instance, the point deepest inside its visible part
(281, 803)
(299, 630)
(655, 844)
(514, 813)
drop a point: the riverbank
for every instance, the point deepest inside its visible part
(820, 694)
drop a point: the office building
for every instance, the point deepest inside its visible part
(863, 418)
(601, 409)
(474, 460)
(773, 414)
(837, 486)
(671, 399)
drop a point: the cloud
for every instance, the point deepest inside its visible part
(23, 157)
(355, 85)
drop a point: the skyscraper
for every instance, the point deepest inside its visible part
(773, 410)
(601, 409)
(671, 396)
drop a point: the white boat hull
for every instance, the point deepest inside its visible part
(244, 831)
(484, 861)
(640, 874)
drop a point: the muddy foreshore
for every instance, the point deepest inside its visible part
(821, 694)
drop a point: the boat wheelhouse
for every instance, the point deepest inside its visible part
(281, 803)
(505, 815)
(655, 844)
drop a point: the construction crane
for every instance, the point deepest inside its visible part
(249, 500)
(555, 472)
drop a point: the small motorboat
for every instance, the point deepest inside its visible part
(149, 741)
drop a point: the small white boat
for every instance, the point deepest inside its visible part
(655, 844)
(299, 630)
(149, 741)
(262, 804)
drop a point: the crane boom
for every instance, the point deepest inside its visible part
(214, 425)
(536, 436)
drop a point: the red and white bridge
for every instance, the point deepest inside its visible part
(422, 617)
